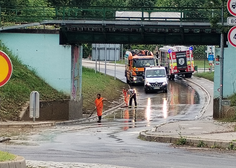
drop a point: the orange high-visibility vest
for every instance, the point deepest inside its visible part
(99, 106)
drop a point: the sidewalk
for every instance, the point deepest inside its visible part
(204, 132)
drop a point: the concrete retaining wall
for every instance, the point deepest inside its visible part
(57, 111)
(19, 162)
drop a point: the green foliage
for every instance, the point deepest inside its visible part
(199, 52)
(201, 144)
(87, 50)
(109, 3)
(141, 3)
(206, 75)
(233, 99)
(231, 146)
(181, 141)
(5, 156)
(139, 46)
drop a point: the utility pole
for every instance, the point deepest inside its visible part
(221, 59)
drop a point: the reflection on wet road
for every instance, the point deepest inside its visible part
(156, 106)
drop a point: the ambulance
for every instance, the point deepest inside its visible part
(178, 60)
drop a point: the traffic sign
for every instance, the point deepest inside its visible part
(6, 68)
(231, 6)
(232, 36)
(231, 21)
(210, 57)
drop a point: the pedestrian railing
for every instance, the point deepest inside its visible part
(171, 14)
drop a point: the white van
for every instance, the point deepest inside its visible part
(155, 79)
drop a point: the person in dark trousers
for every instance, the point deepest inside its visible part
(132, 94)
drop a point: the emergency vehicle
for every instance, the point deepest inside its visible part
(178, 60)
(135, 63)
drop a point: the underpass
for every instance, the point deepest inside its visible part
(115, 139)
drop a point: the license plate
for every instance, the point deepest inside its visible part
(156, 87)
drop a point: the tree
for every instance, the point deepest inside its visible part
(141, 3)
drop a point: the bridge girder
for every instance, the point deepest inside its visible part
(140, 34)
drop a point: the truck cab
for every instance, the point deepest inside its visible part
(155, 79)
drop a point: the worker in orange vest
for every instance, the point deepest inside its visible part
(99, 106)
(126, 96)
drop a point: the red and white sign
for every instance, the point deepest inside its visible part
(231, 6)
(232, 36)
(5, 68)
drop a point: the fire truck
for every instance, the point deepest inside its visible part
(178, 60)
(135, 63)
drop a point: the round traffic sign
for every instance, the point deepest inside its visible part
(231, 6)
(232, 36)
(5, 68)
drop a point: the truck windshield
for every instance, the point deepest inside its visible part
(155, 73)
(138, 63)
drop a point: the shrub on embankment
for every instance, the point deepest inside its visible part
(16, 92)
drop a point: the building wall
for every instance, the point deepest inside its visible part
(42, 53)
(229, 74)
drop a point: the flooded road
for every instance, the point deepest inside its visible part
(156, 107)
(115, 142)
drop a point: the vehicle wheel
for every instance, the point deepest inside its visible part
(188, 75)
(165, 91)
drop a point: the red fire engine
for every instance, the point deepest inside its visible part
(178, 60)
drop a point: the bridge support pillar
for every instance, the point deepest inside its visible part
(76, 100)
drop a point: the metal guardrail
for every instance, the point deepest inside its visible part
(38, 14)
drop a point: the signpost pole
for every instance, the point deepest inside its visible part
(96, 58)
(221, 59)
(34, 106)
(115, 61)
(106, 59)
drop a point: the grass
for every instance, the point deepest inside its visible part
(94, 83)
(119, 62)
(206, 75)
(200, 63)
(5, 156)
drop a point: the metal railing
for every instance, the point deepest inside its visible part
(171, 14)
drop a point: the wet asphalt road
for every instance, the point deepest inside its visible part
(115, 141)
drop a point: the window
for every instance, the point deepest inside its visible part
(155, 73)
(138, 63)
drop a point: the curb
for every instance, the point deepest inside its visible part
(27, 125)
(19, 162)
(208, 100)
(188, 141)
